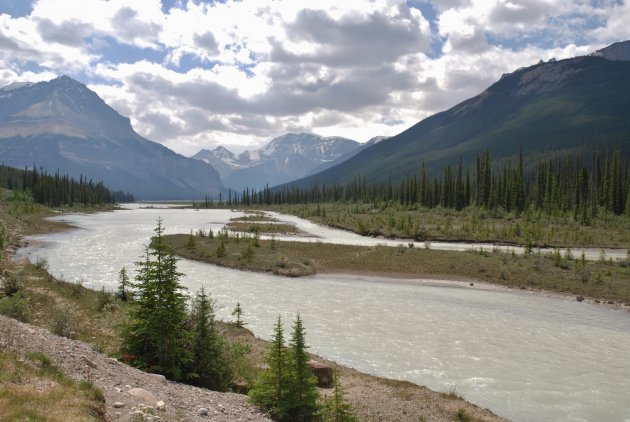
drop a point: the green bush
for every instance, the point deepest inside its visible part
(63, 323)
(14, 306)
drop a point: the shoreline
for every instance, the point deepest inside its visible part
(377, 398)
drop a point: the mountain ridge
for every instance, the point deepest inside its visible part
(284, 158)
(573, 104)
(63, 125)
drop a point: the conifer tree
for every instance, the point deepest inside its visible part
(302, 395)
(156, 332)
(209, 367)
(336, 408)
(270, 390)
(238, 313)
(123, 285)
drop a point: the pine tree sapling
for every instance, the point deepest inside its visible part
(123, 286)
(336, 408)
(238, 313)
(270, 390)
(209, 366)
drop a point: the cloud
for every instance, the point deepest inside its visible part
(195, 74)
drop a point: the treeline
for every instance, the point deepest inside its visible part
(57, 190)
(560, 184)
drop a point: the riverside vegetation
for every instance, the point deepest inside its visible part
(560, 271)
(31, 294)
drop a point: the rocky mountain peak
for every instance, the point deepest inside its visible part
(617, 51)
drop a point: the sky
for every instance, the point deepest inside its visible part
(198, 74)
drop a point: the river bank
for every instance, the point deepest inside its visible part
(603, 281)
(374, 398)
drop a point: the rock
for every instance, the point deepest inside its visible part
(158, 377)
(143, 394)
(118, 405)
(579, 298)
(160, 406)
(323, 372)
(88, 362)
(202, 411)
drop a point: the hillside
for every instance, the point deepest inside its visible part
(62, 125)
(574, 105)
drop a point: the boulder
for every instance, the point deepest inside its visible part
(143, 394)
(323, 372)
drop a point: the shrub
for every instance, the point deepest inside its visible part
(15, 307)
(12, 284)
(104, 300)
(63, 323)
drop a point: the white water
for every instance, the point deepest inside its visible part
(527, 357)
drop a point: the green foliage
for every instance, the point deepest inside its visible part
(287, 388)
(211, 363)
(57, 190)
(191, 240)
(302, 395)
(123, 292)
(63, 323)
(11, 284)
(104, 300)
(156, 332)
(221, 249)
(270, 390)
(336, 409)
(238, 313)
(3, 237)
(15, 307)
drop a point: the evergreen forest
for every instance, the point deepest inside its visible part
(55, 190)
(562, 184)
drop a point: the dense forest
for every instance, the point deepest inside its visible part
(569, 184)
(57, 190)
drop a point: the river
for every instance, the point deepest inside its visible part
(528, 357)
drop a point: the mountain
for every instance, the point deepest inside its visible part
(573, 105)
(616, 51)
(285, 158)
(346, 156)
(62, 125)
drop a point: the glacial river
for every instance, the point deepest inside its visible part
(525, 356)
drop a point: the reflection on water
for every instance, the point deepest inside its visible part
(525, 356)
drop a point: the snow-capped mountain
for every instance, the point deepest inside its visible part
(63, 125)
(285, 158)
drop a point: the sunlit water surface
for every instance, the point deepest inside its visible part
(527, 357)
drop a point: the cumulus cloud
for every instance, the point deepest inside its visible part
(195, 74)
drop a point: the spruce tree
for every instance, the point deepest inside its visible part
(302, 395)
(270, 390)
(123, 285)
(209, 367)
(238, 313)
(155, 333)
(336, 408)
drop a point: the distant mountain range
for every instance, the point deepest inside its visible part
(285, 158)
(573, 105)
(62, 125)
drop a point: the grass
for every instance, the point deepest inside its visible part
(35, 390)
(603, 280)
(255, 227)
(470, 225)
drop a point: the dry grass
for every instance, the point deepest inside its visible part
(604, 281)
(471, 224)
(36, 391)
(255, 227)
